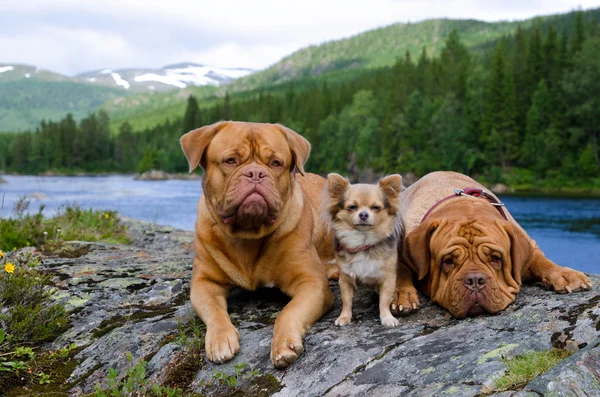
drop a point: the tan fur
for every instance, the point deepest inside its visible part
(467, 237)
(252, 254)
(379, 230)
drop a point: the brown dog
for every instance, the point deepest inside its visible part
(257, 228)
(469, 255)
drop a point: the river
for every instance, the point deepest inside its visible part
(567, 229)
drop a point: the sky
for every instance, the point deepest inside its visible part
(75, 36)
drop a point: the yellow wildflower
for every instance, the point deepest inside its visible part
(106, 215)
(9, 267)
(1, 254)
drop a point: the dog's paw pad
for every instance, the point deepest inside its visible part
(390, 321)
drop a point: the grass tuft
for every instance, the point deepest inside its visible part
(70, 223)
(523, 368)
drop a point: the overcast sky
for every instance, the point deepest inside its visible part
(74, 36)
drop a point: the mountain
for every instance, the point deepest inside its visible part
(342, 60)
(29, 94)
(383, 46)
(167, 78)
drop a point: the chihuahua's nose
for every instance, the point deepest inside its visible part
(363, 216)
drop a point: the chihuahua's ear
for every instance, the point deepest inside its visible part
(337, 185)
(391, 186)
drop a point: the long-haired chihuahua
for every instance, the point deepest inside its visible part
(366, 223)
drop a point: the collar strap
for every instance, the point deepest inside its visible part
(339, 247)
(470, 191)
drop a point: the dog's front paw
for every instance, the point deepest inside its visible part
(343, 320)
(222, 344)
(390, 321)
(285, 350)
(405, 301)
(566, 280)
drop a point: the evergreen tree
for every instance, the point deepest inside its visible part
(191, 118)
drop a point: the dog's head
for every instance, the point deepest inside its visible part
(362, 208)
(249, 172)
(471, 259)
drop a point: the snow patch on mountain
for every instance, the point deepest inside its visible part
(6, 68)
(161, 79)
(120, 81)
(192, 74)
(179, 75)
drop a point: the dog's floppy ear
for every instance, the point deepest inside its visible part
(337, 185)
(391, 186)
(195, 142)
(299, 145)
(416, 251)
(521, 250)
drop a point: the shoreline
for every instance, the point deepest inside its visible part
(156, 175)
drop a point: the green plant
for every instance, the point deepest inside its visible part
(134, 383)
(524, 367)
(63, 352)
(69, 223)
(231, 383)
(25, 305)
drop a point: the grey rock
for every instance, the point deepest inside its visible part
(134, 299)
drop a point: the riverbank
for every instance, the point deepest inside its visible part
(132, 300)
(152, 175)
(542, 189)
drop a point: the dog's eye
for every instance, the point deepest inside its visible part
(276, 163)
(376, 208)
(230, 161)
(496, 260)
(352, 207)
(447, 263)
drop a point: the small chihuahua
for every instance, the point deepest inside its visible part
(366, 223)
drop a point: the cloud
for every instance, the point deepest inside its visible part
(73, 36)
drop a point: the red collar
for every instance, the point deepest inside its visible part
(470, 191)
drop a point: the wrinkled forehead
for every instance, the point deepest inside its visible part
(468, 233)
(244, 139)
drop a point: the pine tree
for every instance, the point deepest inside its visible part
(191, 117)
(520, 75)
(500, 112)
(455, 61)
(578, 33)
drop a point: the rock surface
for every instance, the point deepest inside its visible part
(134, 299)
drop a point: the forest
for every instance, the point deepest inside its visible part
(525, 112)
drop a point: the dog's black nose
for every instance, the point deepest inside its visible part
(475, 281)
(363, 216)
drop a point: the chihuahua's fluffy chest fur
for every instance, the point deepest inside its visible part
(366, 266)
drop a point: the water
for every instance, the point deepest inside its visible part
(567, 229)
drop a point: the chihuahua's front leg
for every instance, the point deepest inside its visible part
(347, 287)
(386, 294)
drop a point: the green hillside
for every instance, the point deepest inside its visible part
(383, 46)
(338, 61)
(148, 109)
(25, 102)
